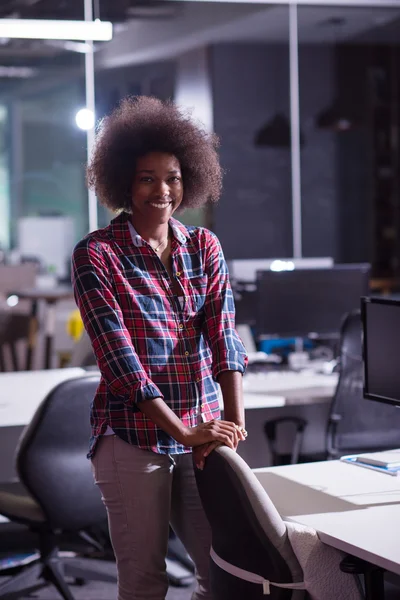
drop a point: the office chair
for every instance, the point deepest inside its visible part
(60, 495)
(12, 279)
(247, 531)
(354, 424)
(254, 552)
(13, 327)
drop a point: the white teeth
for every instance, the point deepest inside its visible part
(164, 205)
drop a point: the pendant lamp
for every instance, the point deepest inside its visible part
(335, 118)
(276, 133)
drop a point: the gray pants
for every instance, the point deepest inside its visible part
(144, 492)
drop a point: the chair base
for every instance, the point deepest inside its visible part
(53, 570)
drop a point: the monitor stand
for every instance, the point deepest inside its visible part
(298, 359)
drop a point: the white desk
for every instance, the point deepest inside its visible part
(353, 509)
(286, 388)
(21, 392)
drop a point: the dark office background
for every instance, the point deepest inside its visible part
(349, 179)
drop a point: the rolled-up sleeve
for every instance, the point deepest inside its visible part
(103, 321)
(227, 349)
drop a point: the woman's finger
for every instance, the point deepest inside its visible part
(227, 440)
(210, 447)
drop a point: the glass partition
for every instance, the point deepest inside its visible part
(229, 62)
(42, 174)
(349, 103)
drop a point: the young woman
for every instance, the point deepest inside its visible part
(155, 299)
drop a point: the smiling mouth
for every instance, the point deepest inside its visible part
(160, 205)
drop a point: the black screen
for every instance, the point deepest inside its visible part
(381, 323)
(245, 302)
(309, 301)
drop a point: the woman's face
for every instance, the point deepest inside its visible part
(157, 188)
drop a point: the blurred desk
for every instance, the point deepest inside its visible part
(50, 296)
(22, 392)
(285, 388)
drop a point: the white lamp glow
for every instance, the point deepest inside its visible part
(282, 265)
(42, 29)
(85, 119)
(12, 300)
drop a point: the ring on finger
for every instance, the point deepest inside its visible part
(242, 430)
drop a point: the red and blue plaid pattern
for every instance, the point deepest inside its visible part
(146, 344)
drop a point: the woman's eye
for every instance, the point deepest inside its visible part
(175, 179)
(146, 179)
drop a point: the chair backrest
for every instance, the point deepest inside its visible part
(51, 456)
(357, 424)
(247, 530)
(13, 327)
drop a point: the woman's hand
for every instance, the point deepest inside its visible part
(200, 453)
(224, 432)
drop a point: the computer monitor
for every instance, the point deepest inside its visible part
(245, 269)
(381, 349)
(308, 302)
(245, 298)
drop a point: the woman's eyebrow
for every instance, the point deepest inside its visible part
(152, 171)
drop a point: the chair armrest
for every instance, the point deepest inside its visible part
(332, 452)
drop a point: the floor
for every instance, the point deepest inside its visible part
(101, 591)
(107, 591)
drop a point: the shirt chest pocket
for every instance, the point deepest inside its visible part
(151, 306)
(198, 291)
(141, 295)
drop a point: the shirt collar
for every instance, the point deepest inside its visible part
(125, 232)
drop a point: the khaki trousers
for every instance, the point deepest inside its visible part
(144, 492)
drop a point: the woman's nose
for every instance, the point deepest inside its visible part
(162, 189)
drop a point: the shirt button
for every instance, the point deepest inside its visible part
(201, 405)
(180, 326)
(178, 273)
(186, 353)
(198, 380)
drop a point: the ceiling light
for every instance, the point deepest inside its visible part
(41, 29)
(85, 119)
(22, 72)
(152, 12)
(81, 47)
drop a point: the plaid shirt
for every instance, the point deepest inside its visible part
(146, 344)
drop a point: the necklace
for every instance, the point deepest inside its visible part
(157, 248)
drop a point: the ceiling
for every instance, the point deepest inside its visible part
(52, 55)
(107, 10)
(154, 30)
(202, 23)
